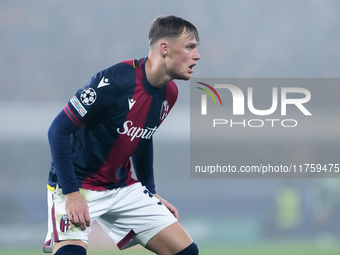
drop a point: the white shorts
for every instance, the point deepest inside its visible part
(130, 215)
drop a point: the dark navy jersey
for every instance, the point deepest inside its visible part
(109, 121)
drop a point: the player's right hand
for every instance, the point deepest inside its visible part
(77, 210)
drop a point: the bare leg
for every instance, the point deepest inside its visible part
(170, 240)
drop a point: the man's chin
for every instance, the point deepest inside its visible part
(183, 77)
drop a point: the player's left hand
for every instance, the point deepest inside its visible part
(171, 208)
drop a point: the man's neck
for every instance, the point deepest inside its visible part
(156, 72)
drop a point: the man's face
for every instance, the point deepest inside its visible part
(182, 56)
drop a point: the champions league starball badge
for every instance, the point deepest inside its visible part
(88, 96)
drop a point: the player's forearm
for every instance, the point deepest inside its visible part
(61, 152)
(143, 165)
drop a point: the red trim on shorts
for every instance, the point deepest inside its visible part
(126, 239)
(48, 243)
(55, 231)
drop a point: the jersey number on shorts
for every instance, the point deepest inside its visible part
(150, 195)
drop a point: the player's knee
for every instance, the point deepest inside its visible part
(192, 249)
(71, 250)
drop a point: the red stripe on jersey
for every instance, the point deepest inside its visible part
(125, 145)
(171, 95)
(72, 116)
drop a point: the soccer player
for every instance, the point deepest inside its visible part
(106, 127)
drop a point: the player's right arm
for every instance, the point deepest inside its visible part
(88, 103)
(60, 144)
(61, 151)
(85, 105)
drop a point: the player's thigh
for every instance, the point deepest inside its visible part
(170, 240)
(60, 244)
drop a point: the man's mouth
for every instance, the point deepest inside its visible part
(191, 67)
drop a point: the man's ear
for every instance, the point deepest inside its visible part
(163, 48)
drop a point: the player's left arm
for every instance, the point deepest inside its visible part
(142, 161)
(143, 164)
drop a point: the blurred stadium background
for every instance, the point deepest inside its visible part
(50, 48)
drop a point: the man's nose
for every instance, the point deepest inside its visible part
(196, 55)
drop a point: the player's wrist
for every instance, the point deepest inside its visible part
(69, 189)
(74, 193)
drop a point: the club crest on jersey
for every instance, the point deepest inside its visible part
(65, 223)
(164, 110)
(88, 96)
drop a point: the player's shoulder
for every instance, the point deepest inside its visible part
(123, 67)
(122, 72)
(117, 76)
